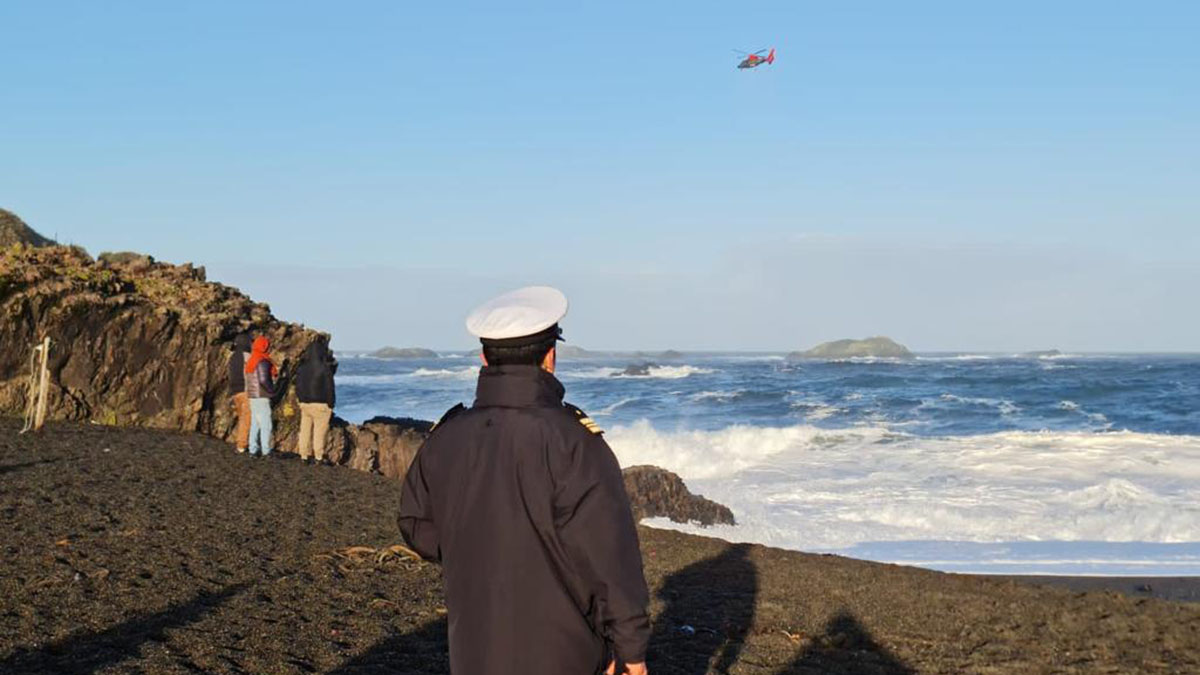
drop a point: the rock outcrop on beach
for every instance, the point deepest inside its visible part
(142, 343)
(385, 445)
(874, 347)
(137, 342)
(403, 353)
(655, 492)
(13, 230)
(134, 342)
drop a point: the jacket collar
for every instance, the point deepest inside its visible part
(518, 387)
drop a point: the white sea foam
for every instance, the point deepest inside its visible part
(610, 409)
(587, 373)
(464, 373)
(1004, 406)
(720, 396)
(673, 372)
(1098, 419)
(958, 357)
(891, 360)
(815, 410)
(367, 380)
(653, 372)
(804, 488)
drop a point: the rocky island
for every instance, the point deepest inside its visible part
(874, 347)
(1043, 354)
(403, 353)
(573, 352)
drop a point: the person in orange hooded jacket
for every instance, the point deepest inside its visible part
(260, 374)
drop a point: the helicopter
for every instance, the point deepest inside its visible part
(756, 59)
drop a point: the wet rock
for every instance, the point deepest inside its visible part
(636, 370)
(386, 445)
(655, 492)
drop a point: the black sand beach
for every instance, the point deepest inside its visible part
(143, 551)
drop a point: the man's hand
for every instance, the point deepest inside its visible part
(630, 669)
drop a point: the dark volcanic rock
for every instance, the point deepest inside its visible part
(636, 370)
(385, 445)
(13, 230)
(655, 492)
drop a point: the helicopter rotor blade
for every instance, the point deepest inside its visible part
(759, 52)
(738, 51)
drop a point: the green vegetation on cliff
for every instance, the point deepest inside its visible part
(875, 347)
(13, 230)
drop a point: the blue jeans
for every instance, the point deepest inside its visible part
(260, 425)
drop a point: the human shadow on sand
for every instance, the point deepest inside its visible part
(423, 651)
(709, 609)
(846, 647)
(86, 652)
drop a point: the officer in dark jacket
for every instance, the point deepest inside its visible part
(522, 502)
(315, 390)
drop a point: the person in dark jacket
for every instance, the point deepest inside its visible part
(314, 389)
(237, 386)
(260, 374)
(522, 502)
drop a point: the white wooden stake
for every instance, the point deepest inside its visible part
(43, 386)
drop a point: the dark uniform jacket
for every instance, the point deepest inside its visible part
(523, 503)
(314, 376)
(237, 361)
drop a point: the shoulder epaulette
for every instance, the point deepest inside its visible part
(583, 419)
(449, 413)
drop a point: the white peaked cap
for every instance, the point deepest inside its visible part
(525, 311)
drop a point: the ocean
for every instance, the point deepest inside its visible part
(981, 463)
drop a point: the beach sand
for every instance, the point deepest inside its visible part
(143, 551)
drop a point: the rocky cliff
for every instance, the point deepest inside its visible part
(134, 341)
(137, 342)
(13, 230)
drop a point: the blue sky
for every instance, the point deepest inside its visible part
(1016, 176)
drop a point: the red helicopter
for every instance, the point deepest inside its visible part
(756, 59)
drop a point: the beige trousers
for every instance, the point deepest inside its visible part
(314, 424)
(241, 405)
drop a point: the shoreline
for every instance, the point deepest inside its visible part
(1175, 589)
(156, 551)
